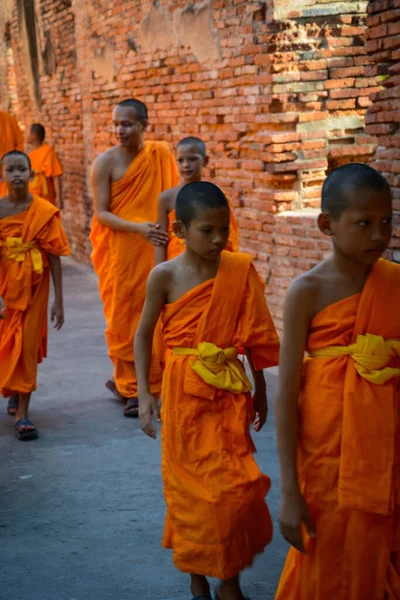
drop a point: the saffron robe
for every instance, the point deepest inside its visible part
(217, 517)
(124, 260)
(25, 290)
(11, 138)
(46, 165)
(349, 456)
(176, 245)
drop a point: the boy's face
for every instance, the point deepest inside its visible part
(190, 163)
(207, 234)
(16, 173)
(32, 138)
(127, 127)
(363, 230)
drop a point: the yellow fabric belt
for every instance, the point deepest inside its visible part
(16, 250)
(220, 368)
(41, 177)
(377, 360)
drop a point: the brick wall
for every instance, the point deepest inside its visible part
(278, 94)
(383, 118)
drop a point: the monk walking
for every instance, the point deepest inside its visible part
(31, 243)
(217, 518)
(126, 182)
(46, 166)
(192, 158)
(11, 138)
(338, 412)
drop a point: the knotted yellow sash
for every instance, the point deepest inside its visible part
(219, 368)
(16, 250)
(372, 355)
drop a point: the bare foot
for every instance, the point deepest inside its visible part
(200, 587)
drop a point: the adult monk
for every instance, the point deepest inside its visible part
(11, 138)
(46, 166)
(217, 517)
(126, 182)
(338, 413)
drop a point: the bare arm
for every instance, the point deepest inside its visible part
(57, 187)
(260, 400)
(297, 316)
(57, 310)
(155, 300)
(160, 252)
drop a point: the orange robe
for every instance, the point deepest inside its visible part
(46, 165)
(217, 517)
(176, 245)
(124, 260)
(11, 138)
(349, 456)
(23, 332)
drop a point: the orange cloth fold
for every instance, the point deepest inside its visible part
(124, 260)
(217, 518)
(25, 290)
(176, 245)
(349, 456)
(11, 138)
(46, 165)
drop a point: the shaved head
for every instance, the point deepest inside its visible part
(16, 153)
(197, 196)
(196, 142)
(140, 107)
(342, 183)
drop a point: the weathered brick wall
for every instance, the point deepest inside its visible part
(383, 118)
(279, 95)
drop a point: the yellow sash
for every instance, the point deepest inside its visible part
(16, 250)
(219, 368)
(372, 356)
(40, 183)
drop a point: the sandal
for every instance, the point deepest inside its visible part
(110, 385)
(12, 405)
(31, 434)
(131, 409)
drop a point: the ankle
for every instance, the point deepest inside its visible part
(199, 586)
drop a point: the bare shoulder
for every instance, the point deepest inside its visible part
(304, 291)
(106, 160)
(161, 276)
(167, 198)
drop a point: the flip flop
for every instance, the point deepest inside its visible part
(12, 405)
(110, 385)
(131, 409)
(25, 435)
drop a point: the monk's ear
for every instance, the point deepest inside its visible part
(32, 176)
(206, 160)
(145, 124)
(179, 229)
(324, 223)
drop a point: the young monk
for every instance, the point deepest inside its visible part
(126, 182)
(338, 411)
(191, 156)
(31, 243)
(46, 167)
(11, 138)
(217, 517)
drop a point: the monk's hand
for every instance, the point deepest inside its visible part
(147, 408)
(57, 315)
(152, 233)
(2, 309)
(260, 404)
(293, 513)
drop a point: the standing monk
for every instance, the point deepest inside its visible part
(126, 181)
(11, 138)
(46, 166)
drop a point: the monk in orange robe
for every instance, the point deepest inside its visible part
(191, 156)
(11, 138)
(31, 243)
(126, 182)
(217, 517)
(338, 412)
(46, 167)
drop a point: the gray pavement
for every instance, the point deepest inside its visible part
(82, 509)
